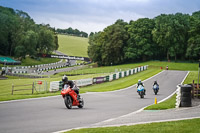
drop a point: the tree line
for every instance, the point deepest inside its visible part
(73, 32)
(21, 36)
(165, 37)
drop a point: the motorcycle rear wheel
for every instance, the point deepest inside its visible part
(68, 102)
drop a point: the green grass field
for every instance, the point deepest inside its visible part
(73, 46)
(6, 85)
(182, 126)
(193, 75)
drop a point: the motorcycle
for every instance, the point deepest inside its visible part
(155, 89)
(70, 98)
(140, 90)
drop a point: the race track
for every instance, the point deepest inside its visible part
(50, 114)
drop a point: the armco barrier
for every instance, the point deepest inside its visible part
(136, 70)
(117, 75)
(83, 82)
(97, 80)
(111, 77)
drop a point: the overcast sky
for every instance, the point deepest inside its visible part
(95, 15)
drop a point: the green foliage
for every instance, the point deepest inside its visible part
(171, 37)
(20, 36)
(194, 40)
(109, 45)
(181, 126)
(74, 32)
(171, 32)
(140, 43)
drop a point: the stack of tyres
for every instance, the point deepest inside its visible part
(186, 96)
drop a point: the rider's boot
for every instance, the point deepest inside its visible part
(78, 97)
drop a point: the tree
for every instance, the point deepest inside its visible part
(140, 43)
(106, 47)
(171, 32)
(27, 44)
(193, 48)
(94, 48)
(115, 38)
(46, 42)
(20, 36)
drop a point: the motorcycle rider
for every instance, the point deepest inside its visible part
(72, 85)
(155, 83)
(140, 83)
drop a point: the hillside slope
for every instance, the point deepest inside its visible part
(73, 46)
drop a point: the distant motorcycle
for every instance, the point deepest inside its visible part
(70, 98)
(140, 90)
(155, 89)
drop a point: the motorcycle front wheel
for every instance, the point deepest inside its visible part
(141, 94)
(68, 102)
(81, 103)
(155, 91)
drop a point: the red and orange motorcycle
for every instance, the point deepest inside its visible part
(70, 98)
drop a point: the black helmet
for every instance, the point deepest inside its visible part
(155, 82)
(65, 79)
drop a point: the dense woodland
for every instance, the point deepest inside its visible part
(73, 32)
(21, 36)
(165, 37)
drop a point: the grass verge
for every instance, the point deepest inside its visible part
(120, 83)
(193, 75)
(168, 104)
(182, 126)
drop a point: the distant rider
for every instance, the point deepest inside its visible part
(167, 67)
(72, 85)
(140, 83)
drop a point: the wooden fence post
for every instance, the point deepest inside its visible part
(193, 87)
(12, 88)
(33, 88)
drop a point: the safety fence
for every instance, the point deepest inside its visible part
(30, 87)
(57, 85)
(38, 86)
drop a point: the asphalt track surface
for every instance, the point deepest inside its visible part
(44, 115)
